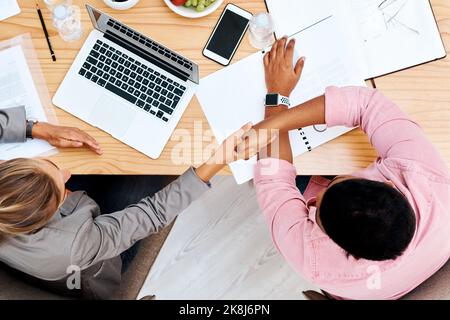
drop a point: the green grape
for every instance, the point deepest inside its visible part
(200, 7)
(188, 3)
(194, 3)
(208, 3)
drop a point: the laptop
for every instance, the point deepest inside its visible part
(128, 85)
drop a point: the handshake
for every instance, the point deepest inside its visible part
(244, 144)
(269, 138)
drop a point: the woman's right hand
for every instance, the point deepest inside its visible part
(227, 153)
(64, 137)
(257, 139)
(237, 146)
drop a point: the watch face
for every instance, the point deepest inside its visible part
(271, 99)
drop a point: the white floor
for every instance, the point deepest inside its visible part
(220, 248)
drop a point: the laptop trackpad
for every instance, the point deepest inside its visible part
(112, 115)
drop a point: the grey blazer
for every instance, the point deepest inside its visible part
(79, 238)
(12, 125)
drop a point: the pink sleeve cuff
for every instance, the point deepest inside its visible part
(274, 169)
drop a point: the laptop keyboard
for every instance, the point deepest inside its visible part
(129, 79)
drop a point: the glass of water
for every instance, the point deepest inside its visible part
(261, 30)
(67, 21)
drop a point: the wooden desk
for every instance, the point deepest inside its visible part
(424, 92)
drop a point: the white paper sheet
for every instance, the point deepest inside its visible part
(8, 8)
(16, 89)
(235, 95)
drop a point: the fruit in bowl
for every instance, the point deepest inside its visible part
(193, 8)
(197, 5)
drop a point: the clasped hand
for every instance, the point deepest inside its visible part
(281, 77)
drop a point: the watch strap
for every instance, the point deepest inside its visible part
(284, 100)
(29, 129)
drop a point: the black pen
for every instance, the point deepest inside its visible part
(45, 32)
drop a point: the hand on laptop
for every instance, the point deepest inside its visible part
(64, 137)
(281, 75)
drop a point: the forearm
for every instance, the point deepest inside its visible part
(306, 114)
(283, 206)
(283, 119)
(208, 170)
(279, 149)
(108, 235)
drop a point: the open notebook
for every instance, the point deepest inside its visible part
(235, 95)
(384, 35)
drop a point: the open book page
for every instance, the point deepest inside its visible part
(17, 89)
(235, 95)
(394, 34)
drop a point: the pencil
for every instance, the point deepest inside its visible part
(45, 32)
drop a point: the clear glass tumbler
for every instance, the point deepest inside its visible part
(261, 30)
(67, 21)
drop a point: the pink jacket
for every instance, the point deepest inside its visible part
(407, 159)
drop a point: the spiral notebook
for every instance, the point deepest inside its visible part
(384, 35)
(235, 95)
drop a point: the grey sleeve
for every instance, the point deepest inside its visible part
(12, 125)
(108, 235)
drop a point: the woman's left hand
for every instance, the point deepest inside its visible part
(64, 137)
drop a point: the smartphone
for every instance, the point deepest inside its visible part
(227, 34)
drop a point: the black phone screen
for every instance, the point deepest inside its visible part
(227, 35)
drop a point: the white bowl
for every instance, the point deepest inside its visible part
(190, 12)
(121, 5)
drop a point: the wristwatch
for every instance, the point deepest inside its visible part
(276, 99)
(29, 128)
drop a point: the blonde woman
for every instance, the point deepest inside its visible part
(48, 232)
